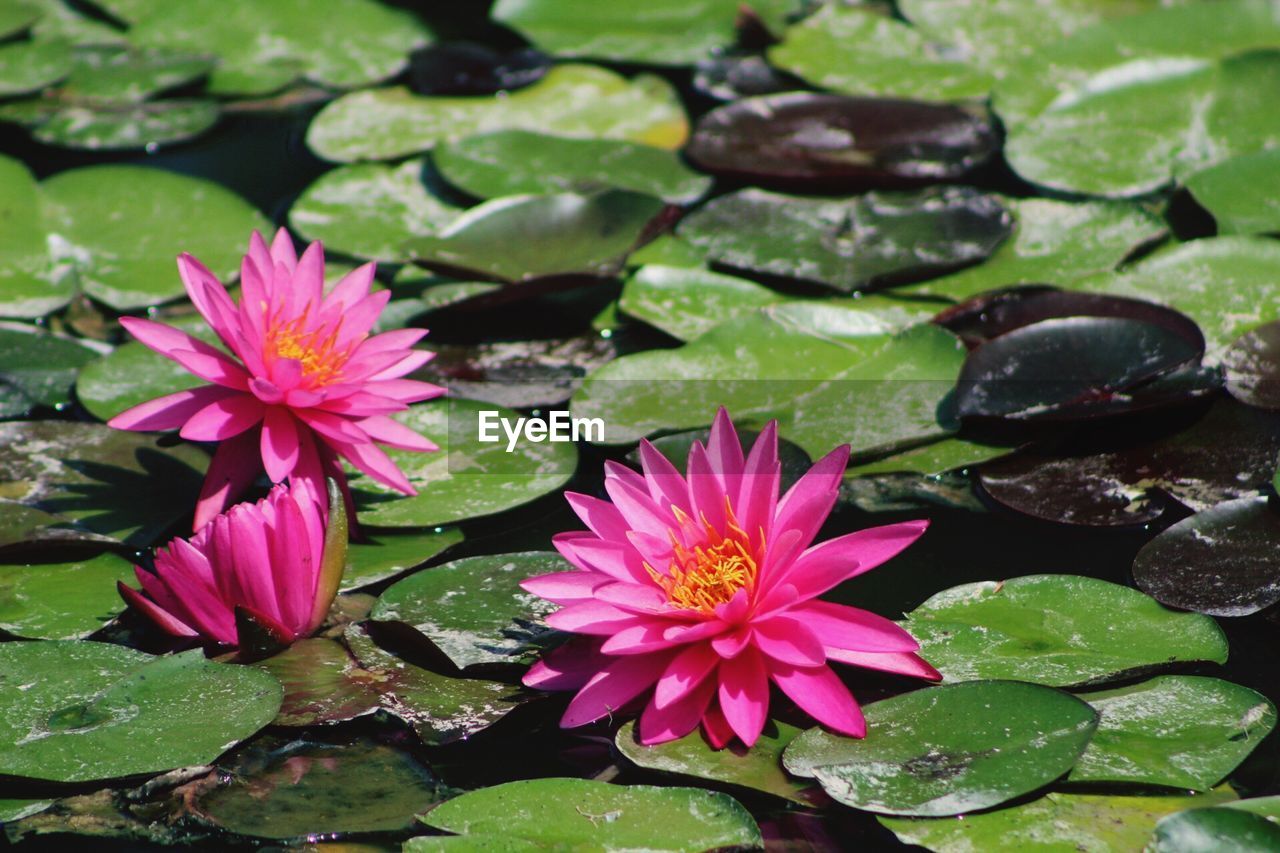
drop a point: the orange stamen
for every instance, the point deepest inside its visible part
(710, 574)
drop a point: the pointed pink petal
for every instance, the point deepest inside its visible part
(902, 663)
(395, 434)
(223, 419)
(806, 505)
(689, 668)
(403, 390)
(639, 598)
(637, 508)
(279, 443)
(213, 367)
(692, 633)
(637, 640)
(372, 460)
(601, 516)
(234, 467)
(406, 365)
(170, 411)
(822, 695)
(706, 490)
(251, 560)
(266, 391)
(744, 694)
(285, 374)
(622, 680)
(836, 560)
(661, 724)
(724, 452)
(852, 628)
(597, 555)
(353, 287)
(789, 640)
(666, 484)
(308, 282)
(205, 361)
(757, 496)
(282, 251)
(567, 667)
(592, 617)
(731, 644)
(333, 426)
(162, 618)
(295, 565)
(564, 587)
(209, 297)
(358, 319)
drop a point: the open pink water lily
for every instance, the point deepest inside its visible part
(304, 383)
(702, 587)
(265, 559)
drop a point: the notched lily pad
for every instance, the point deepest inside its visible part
(1221, 561)
(474, 610)
(949, 750)
(1060, 630)
(849, 243)
(828, 142)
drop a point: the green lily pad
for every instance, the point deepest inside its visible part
(1180, 69)
(132, 373)
(938, 457)
(16, 16)
(62, 601)
(112, 74)
(78, 711)
(523, 237)
(515, 162)
(114, 126)
(388, 554)
(669, 250)
(949, 750)
(1060, 630)
(473, 609)
(262, 48)
(670, 32)
(17, 809)
(1242, 193)
(1181, 731)
(1240, 825)
(465, 478)
(37, 369)
(76, 473)
(301, 790)
(29, 287)
(59, 20)
(28, 66)
(580, 813)
(580, 101)
(849, 243)
(758, 768)
(1054, 242)
(120, 228)
(1227, 285)
(1055, 823)
(370, 210)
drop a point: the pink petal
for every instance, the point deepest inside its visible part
(395, 434)
(757, 496)
(205, 361)
(333, 426)
(357, 319)
(637, 508)
(372, 460)
(308, 282)
(209, 297)
(567, 667)
(642, 599)
(706, 491)
(852, 628)
(732, 644)
(353, 287)
(234, 467)
(832, 562)
(618, 683)
(601, 516)
(724, 452)
(564, 587)
(279, 443)
(251, 560)
(806, 505)
(406, 365)
(744, 695)
(596, 555)
(295, 559)
(170, 411)
(662, 724)
(822, 695)
(790, 641)
(689, 668)
(282, 251)
(592, 617)
(637, 640)
(404, 390)
(666, 484)
(902, 663)
(166, 622)
(223, 419)
(716, 727)
(692, 633)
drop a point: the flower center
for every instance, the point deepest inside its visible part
(708, 575)
(315, 349)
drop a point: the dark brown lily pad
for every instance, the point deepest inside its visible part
(1252, 366)
(1229, 453)
(1222, 561)
(829, 142)
(518, 374)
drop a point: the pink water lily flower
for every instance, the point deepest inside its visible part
(702, 588)
(304, 383)
(265, 559)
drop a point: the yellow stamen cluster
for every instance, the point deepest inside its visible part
(316, 349)
(710, 574)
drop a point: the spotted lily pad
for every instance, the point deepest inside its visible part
(530, 236)
(115, 126)
(37, 369)
(580, 101)
(516, 162)
(1252, 366)
(28, 66)
(849, 243)
(1106, 823)
(949, 750)
(62, 601)
(573, 813)
(369, 210)
(301, 789)
(76, 472)
(758, 768)
(1241, 193)
(466, 478)
(1240, 825)
(386, 554)
(1060, 630)
(29, 285)
(473, 609)
(1220, 561)
(78, 711)
(1181, 731)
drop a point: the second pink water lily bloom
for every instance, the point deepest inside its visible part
(301, 381)
(265, 559)
(701, 589)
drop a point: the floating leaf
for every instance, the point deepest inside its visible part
(831, 141)
(1252, 366)
(1241, 193)
(62, 601)
(1221, 561)
(580, 101)
(133, 373)
(860, 52)
(260, 49)
(1060, 630)
(112, 127)
(387, 554)
(515, 162)
(301, 790)
(473, 609)
(28, 66)
(1240, 825)
(938, 457)
(77, 472)
(16, 809)
(1181, 731)
(518, 374)
(849, 243)
(1099, 823)
(687, 302)
(37, 369)
(571, 813)
(78, 711)
(1229, 453)
(29, 286)
(949, 750)
(1054, 242)
(370, 210)
(17, 16)
(758, 768)
(466, 478)
(112, 74)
